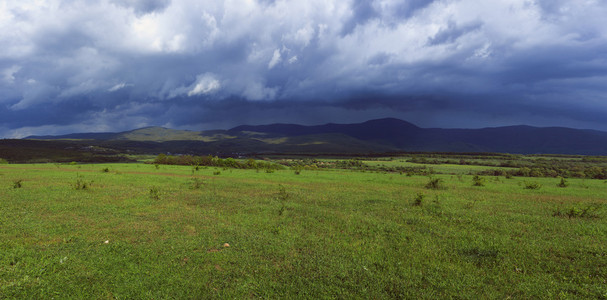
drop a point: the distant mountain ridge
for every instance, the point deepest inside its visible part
(381, 135)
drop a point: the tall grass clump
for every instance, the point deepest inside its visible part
(196, 183)
(478, 181)
(435, 184)
(155, 193)
(419, 199)
(3, 161)
(587, 211)
(297, 169)
(282, 197)
(532, 185)
(17, 183)
(81, 184)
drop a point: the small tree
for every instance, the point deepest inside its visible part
(563, 183)
(478, 181)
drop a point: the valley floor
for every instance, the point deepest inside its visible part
(146, 231)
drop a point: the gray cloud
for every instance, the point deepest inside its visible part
(144, 6)
(452, 32)
(116, 65)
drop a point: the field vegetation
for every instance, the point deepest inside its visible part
(305, 227)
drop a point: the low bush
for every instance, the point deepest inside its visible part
(478, 181)
(81, 184)
(435, 184)
(213, 161)
(531, 185)
(17, 183)
(419, 199)
(587, 211)
(282, 197)
(155, 193)
(196, 183)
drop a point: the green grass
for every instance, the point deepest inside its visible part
(438, 168)
(325, 233)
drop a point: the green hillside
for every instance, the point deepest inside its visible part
(160, 134)
(383, 135)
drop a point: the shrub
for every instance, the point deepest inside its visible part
(213, 161)
(154, 193)
(17, 183)
(435, 184)
(419, 198)
(478, 181)
(297, 169)
(588, 211)
(563, 183)
(3, 161)
(282, 196)
(196, 183)
(81, 184)
(531, 185)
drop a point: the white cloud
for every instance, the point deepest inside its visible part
(276, 59)
(119, 86)
(205, 84)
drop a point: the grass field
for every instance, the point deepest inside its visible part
(138, 231)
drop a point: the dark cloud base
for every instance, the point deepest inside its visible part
(204, 65)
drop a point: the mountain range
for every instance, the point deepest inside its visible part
(375, 136)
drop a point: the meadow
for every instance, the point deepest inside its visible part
(165, 231)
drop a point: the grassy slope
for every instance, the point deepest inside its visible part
(333, 234)
(159, 134)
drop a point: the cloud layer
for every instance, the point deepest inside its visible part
(112, 65)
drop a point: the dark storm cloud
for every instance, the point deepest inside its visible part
(116, 65)
(362, 11)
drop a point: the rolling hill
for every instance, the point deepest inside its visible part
(375, 136)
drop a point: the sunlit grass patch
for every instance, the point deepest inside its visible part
(322, 233)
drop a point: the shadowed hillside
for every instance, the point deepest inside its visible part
(375, 136)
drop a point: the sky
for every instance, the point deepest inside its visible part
(110, 65)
